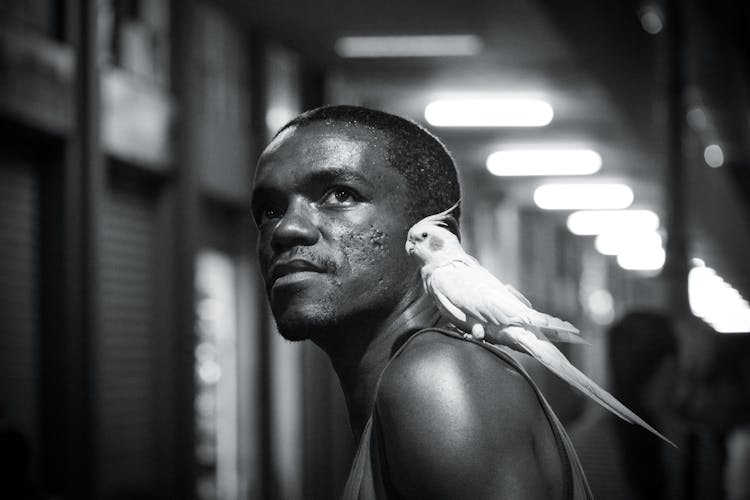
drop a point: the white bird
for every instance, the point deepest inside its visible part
(476, 301)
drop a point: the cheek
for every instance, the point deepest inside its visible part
(377, 239)
(374, 253)
(263, 249)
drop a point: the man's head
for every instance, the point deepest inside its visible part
(335, 194)
(643, 351)
(425, 163)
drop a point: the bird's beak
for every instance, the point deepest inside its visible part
(409, 247)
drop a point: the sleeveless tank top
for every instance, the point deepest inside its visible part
(368, 478)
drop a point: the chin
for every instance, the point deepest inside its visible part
(303, 323)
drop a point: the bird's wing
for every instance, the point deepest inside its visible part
(562, 335)
(518, 295)
(555, 329)
(452, 310)
(555, 361)
(474, 290)
(473, 293)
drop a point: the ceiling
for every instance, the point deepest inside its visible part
(601, 72)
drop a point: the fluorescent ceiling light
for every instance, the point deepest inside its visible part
(589, 222)
(635, 250)
(642, 258)
(615, 242)
(717, 302)
(544, 162)
(488, 113)
(408, 46)
(583, 196)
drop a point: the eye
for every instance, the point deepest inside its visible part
(340, 196)
(267, 213)
(424, 235)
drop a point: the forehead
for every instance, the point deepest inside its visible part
(318, 146)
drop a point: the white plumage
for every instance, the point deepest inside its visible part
(476, 301)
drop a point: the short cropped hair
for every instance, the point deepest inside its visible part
(425, 163)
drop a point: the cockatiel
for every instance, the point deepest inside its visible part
(475, 301)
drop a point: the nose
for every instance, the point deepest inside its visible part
(296, 228)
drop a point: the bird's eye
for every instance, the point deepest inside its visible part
(424, 235)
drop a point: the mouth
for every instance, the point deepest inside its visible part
(291, 267)
(410, 248)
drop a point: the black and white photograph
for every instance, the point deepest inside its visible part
(374, 250)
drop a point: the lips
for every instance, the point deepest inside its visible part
(281, 269)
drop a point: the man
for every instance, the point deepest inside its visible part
(335, 194)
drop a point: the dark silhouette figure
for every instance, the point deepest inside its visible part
(622, 461)
(639, 346)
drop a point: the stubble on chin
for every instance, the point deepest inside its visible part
(297, 325)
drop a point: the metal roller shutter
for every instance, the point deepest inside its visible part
(19, 302)
(126, 347)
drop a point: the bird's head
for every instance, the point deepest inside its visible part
(433, 237)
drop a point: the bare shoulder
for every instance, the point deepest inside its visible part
(444, 374)
(451, 412)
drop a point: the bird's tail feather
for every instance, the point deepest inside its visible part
(562, 336)
(544, 320)
(556, 329)
(555, 361)
(558, 324)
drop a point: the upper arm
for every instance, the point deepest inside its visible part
(457, 423)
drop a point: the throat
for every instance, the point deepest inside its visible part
(362, 356)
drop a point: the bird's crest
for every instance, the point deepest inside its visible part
(444, 219)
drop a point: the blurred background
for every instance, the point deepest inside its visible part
(604, 150)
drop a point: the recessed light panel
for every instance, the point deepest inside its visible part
(488, 113)
(549, 162)
(583, 196)
(408, 46)
(593, 222)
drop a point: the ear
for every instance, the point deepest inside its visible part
(452, 225)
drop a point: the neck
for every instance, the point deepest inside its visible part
(361, 352)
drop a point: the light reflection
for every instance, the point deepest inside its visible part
(713, 155)
(650, 19)
(717, 302)
(697, 119)
(278, 116)
(601, 306)
(209, 309)
(209, 372)
(205, 351)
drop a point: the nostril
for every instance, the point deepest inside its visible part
(294, 229)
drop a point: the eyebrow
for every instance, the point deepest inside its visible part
(336, 174)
